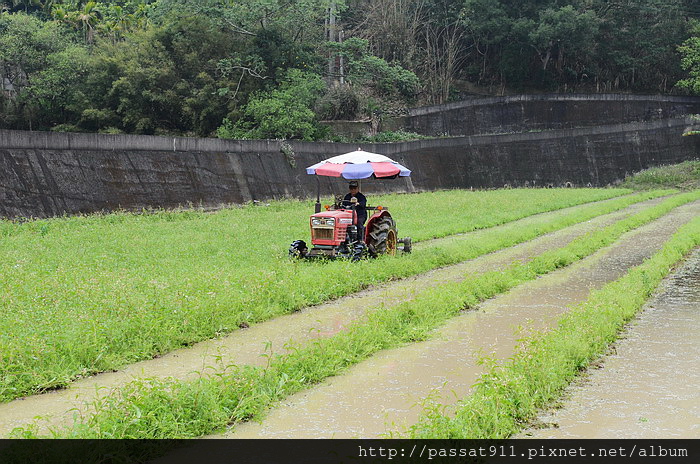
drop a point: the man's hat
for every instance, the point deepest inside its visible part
(353, 183)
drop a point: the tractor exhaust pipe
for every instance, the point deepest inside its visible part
(317, 208)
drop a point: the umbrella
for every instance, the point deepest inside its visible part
(359, 164)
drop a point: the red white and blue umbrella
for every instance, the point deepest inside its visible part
(359, 164)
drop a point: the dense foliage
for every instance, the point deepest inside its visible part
(192, 67)
(691, 60)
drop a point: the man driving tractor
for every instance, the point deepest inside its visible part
(340, 231)
(355, 197)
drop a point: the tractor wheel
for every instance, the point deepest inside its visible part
(298, 249)
(358, 252)
(382, 237)
(407, 245)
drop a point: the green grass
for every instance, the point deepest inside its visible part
(89, 294)
(511, 394)
(684, 176)
(174, 409)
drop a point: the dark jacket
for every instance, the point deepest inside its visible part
(360, 207)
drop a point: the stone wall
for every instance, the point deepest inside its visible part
(46, 174)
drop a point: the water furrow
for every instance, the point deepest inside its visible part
(647, 386)
(386, 391)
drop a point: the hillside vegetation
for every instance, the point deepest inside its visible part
(273, 69)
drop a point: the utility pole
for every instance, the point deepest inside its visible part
(341, 36)
(331, 37)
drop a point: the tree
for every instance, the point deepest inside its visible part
(183, 66)
(391, 27)
(25, 43)
(282, 113)
(423, 37)
(638, 43)
(594, 44)
(562, 29)
(299, 20)
(488, 26)
(43, 68)
(131, 86)
(442, 52)
(88, 17)
(690, 50)
(57, 89)
(162, 79)
(25, 6)
(387, 80)
(278, 54)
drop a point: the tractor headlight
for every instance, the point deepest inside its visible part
(328, 222)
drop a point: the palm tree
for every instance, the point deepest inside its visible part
(63, 15)
(88, 17)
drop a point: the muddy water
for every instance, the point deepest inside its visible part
(648, 387)
(247, 346)
(385, 393)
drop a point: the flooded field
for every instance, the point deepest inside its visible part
(247, 346)
(385, 393)
(647, 387)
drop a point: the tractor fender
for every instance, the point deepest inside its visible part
(373, 219)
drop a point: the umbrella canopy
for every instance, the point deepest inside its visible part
(359, 164)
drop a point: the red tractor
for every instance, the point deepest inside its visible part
(334, 233)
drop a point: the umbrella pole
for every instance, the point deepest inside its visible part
(317, 209)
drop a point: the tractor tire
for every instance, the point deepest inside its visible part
(382, 237)
(358, 252)
(298, 249)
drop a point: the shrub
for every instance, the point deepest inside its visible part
(340, 102)
(283, 113)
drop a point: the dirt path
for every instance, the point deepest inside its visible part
(385, 392)
(648, 387)
(246, 346)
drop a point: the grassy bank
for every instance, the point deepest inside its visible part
(90, 294)
(684, 176)
(166, 408)
(511, 394)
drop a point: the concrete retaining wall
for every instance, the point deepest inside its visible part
(523, 113)
(46, 174)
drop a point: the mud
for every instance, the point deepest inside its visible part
(385, 393)
(248, 346)
(647, 387)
